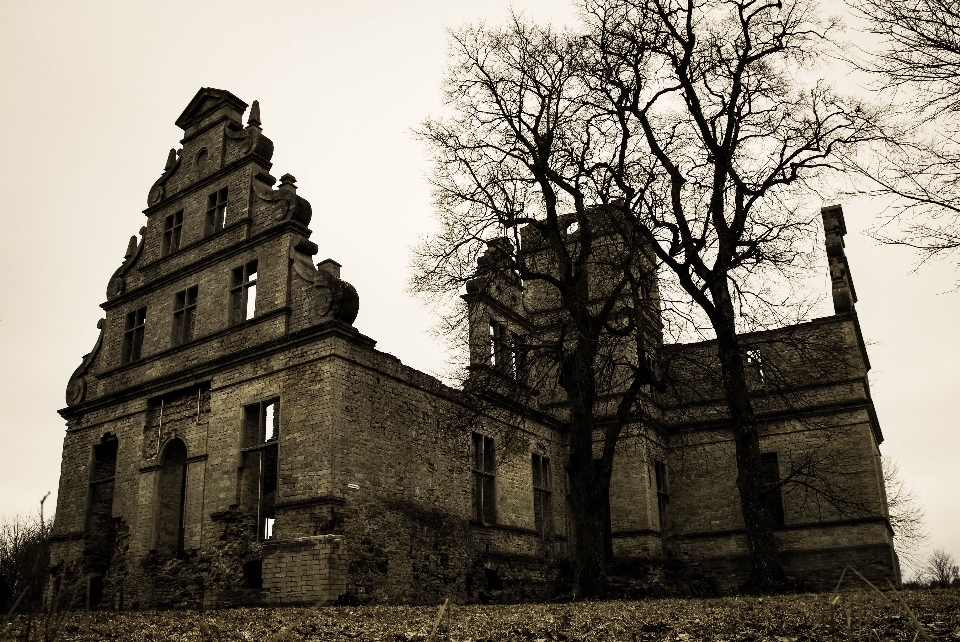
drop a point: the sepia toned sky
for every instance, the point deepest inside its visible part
(88, 96)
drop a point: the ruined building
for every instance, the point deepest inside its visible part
(233, 439)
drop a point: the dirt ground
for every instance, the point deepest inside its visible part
(849, 616)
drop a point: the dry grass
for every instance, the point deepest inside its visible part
(849, 615)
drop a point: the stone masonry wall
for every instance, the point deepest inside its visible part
(304, 570)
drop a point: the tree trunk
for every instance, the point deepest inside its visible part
(587, 514)
(766, 571)
(578, 380)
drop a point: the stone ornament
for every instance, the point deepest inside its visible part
(287, 205)
(77, 386)
(334, 298)
(337, 299)
(158, 191)
(117, 284)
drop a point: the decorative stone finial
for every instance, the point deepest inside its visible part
(288, 183)
(254, 119)
(331, 267)
(131, 247)
(171, 160)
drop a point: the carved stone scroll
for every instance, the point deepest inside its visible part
(77, 386)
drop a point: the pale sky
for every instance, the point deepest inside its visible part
(88, 96)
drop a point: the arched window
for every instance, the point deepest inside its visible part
(171, 496)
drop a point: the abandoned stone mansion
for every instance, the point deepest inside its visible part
(232, 438)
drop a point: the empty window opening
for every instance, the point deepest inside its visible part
(755, 361)
(502, 348)
(184, 315)
(519, 346)
(243, 293)
(492, 577)
(542, 493)
(268, 490)
(269, 421)
(484, 489)
(100, 525)
(133, 335)
(494, 341)
(663, 495)
(770, 478)
(253, 574)
(171, 233)
(94, 590)
(260, 477)
(171, 504)
(261, 422)
(216, 211)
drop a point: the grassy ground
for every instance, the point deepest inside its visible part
(853, 616)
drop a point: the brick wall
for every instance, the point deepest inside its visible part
(304, 570)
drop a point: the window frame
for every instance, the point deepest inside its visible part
(772, 495)
(215, 217)
(505, 351)
(483, 459)
(542, 494)
(172, 234)
(184, 316)
(754, 363)
(663, 491)
(267, 453)
(134, 328)
(240, 285)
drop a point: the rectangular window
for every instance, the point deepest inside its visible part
(503, 349)
(184, 315)
(770, 478)
(133, 335)
(243, 293)
(663, 495)
(171, 233)
(519, 346)
(755, 364)
(542, 507)
(261, 422)
(261, 431)
(484, 491)
(216, 212)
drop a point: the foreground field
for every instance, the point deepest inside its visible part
(854, 616)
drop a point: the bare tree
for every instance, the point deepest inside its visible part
(906, 515)
(512, 156)
(921, 49)
(941, 569)
(24, 561)
(682, 130)
(918, 162)
(713, 91)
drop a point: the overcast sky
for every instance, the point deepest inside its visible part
(88, 96)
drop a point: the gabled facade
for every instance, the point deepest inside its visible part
(233, 439)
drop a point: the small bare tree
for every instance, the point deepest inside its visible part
(906, 516)
(941, 569)
(24, 558)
